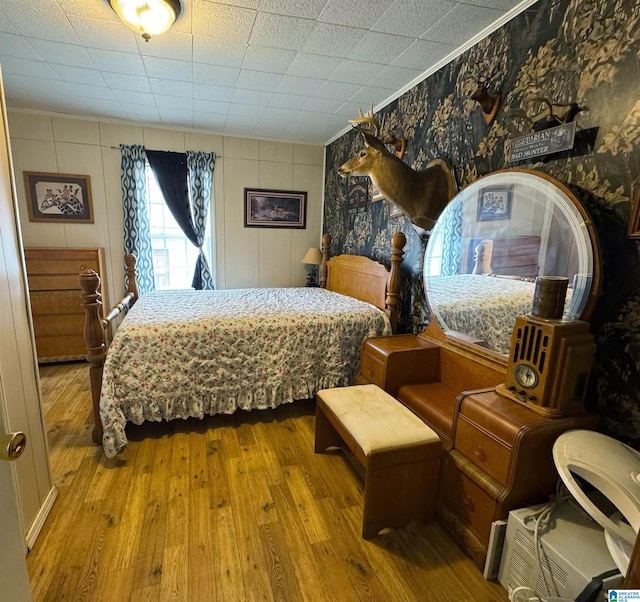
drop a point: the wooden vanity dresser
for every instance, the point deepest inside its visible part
(497, 451)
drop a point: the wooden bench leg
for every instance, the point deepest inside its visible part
(326, 434)
(399, 494)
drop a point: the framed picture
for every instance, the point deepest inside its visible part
(494, 202)
(274, 209)
(633, 230)
(55, 197)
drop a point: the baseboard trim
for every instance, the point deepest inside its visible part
(41, 517)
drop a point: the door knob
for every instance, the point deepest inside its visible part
(12, 445)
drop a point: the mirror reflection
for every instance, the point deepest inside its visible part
(491, 243)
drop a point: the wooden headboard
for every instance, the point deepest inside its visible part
(364, 278)
(512, 257)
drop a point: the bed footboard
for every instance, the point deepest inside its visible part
(96, 329)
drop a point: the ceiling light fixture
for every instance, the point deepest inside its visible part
(147, 17)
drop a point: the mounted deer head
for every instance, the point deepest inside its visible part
(422, 195)
(554, 114)
(489, 102)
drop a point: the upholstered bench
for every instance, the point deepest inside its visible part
(397, 453)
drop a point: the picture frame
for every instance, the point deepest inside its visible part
(275, 208)
(494, 203)
(633, 229)
(55, 197)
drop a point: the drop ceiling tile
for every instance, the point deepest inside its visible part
(356, 72)
(333, 40)
(380, 47)
(237, 109)
(277, 115)
(357, 13)
(62, 54)
(210, 106)
(266, 130)
(272, 60)
(94, 33)
(91, 10)
(106, 108)
(288, 101)
(394, 78)
(423, 53)
(241, 125)
(173, 102)
(210, 92)
(143, 113)
(322, 105)
(461, 24)
(89, 91)
(209, 121)
(294, 84)
(48, 23)
(281, 32)
(134, 97)
(215, 52)
(120, 62)
(79, 75)
(241, 3)
(171, 87)
(228, 24)
(337, 90)
(412, 18)
(370, 95)
(28, 68)
(502, 5)
(168, 68)
(257, 80)
(215, 74)
(5, 25)
(320, 66)
(309, 9)
(170, 45)
(126, 82)
(252, 97)
(19, 47)
(176, 117)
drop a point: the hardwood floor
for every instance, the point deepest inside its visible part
(231, 508)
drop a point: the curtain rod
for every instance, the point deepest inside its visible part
(216, 154)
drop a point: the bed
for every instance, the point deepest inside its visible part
(182, 354)
(483, 304)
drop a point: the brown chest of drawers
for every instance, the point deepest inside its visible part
(500, 459)
(58, 317)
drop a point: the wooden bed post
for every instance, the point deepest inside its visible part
(392, 300)
(95, 328)
(326, 248)
(94, 338)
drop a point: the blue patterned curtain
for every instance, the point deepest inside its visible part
(200, 173)
(452, 240)
(137, 234)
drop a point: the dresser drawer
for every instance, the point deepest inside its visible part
(473, 506)
(373, 370)
(485, 452)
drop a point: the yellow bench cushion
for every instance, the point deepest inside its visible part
(376, 420)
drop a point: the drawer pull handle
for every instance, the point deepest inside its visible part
(467, 501)
(478, 452)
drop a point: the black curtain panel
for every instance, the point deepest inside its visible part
(170, 170)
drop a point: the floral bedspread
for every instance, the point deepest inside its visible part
(481, 306)
(180, 354)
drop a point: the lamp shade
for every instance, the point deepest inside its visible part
(147, 17)
(312, 256)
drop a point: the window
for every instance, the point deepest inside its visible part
(174, 256)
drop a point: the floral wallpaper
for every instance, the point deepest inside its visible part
(582, 51)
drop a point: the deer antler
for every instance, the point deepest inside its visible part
(364, 122)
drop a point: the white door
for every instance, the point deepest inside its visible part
(14, 581)
(17, 386)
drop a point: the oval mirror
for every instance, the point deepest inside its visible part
(491, 243)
